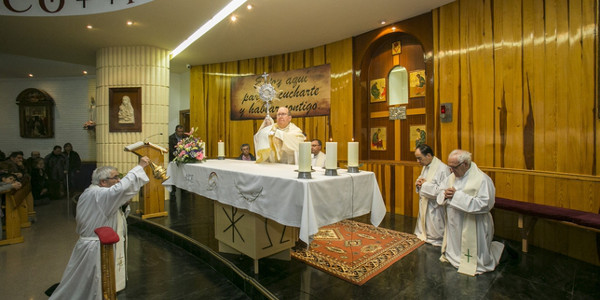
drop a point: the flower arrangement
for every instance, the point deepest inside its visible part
(189, 149)
(89, 125)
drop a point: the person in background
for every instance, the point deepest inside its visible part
(30, 162)
(39, 183)
(55, 168)
(469, 195)
(14, 165)
(73, 166)
(98, 206)
(318, 157)
(246, 155)
(432, 217)
(175, 138)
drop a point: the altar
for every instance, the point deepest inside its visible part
(274, 192)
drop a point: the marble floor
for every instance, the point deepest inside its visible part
(176, 257)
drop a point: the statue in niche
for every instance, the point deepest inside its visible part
(126, 112)
(92, 110)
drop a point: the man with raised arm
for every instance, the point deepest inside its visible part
(279, 142)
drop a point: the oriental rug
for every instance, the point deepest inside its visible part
(355, 251)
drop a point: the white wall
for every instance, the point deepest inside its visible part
(71, 110)
(72, 99)
(179, 98)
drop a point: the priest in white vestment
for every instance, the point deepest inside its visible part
(432, 217)
(469, 196)
(279, 142)
(100, 205)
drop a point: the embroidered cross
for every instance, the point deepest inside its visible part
(468, 255)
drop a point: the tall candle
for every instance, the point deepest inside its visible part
(331, 155)
(304, 157)
(221, 149)
(352, 154)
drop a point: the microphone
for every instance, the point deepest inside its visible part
(146, 139)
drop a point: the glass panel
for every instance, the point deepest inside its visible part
(398, 86)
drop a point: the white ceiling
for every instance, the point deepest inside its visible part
(63, 46)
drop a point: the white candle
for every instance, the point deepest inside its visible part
(352, 154)
(331, 155)
(221, 149)
(304, 157)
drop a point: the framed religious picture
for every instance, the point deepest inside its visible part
(418, 136)
(396, 48)
(36, 114)
(378, 138)
(125, 109)
(377, 90)
(416, 83)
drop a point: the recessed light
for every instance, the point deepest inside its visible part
(84, 72)
(383, 22)
(233, 18)
(89, 27)
(393, 28)
(129, 23)
(30, 75)
(249, 7)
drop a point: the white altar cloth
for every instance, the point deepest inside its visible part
(275, 192)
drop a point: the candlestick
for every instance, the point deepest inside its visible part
(221, 150)
(304, 157)
(331, 158)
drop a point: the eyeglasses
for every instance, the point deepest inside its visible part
(456, 167)
(116, 177)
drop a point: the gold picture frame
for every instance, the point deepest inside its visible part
(377, 90)
(417, 83)
(378, 139)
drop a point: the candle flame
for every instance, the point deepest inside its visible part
(353, 139)
(331, 139)
(220, 141)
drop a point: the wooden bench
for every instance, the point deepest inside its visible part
(13, 220)
(530, 212)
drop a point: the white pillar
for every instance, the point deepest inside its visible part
(131, 66)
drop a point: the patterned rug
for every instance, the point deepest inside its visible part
(355, 251)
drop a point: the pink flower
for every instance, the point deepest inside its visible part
(200, 156)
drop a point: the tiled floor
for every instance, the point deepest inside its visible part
(160, 270)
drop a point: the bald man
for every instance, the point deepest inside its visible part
(279, 142)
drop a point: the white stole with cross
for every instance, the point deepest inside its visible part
(468, 246)
(120, 260)
(428, 174)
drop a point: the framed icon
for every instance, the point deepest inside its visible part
(125, 109)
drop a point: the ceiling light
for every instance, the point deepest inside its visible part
(382, 22)
(89, 27)
(249, 7)
(84, 72)
(233, 18)
(129, 23)
(227, 10)
(30, 75)
(393, 28)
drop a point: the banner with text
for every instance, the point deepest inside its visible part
(305, 92)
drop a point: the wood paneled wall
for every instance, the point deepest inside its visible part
(210, 102)
(522, 77)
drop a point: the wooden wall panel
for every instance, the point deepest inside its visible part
(522, 75)
(210, 102)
